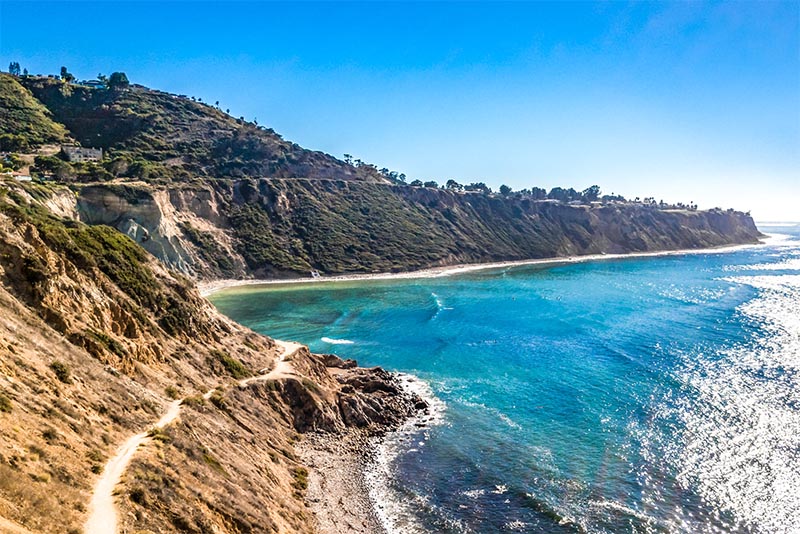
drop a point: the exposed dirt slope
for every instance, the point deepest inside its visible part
(96, 342)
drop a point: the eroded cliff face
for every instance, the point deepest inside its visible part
(97, 338)
(184, 228)
(284, 228)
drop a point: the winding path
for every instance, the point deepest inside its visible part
(9, 527)
(102, 512)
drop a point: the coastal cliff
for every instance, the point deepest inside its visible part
(216, 197)
(284, 228)
(98, 339)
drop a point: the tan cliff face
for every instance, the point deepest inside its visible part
(90, 355)
(163, 223)
(280, 228)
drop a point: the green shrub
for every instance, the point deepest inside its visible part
(218, 398)
(300, 478)
(138, 496)
(62, 371)
(194, 400)
(5, 403)
(172, 392)
(50, 435)
(159, 434)
(213, 462)
(310, 385)
(234, 367)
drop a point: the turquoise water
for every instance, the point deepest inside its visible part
(654, 394)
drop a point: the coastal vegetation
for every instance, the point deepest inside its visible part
(242, 201)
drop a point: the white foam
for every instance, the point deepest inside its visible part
(494, 411)
(474, 494)
(337, 341)
(395, 512)
(439, 306)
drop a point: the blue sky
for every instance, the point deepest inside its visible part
(682, 101)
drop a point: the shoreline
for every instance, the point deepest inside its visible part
(349, 473)
(207, 289)
(338, 493)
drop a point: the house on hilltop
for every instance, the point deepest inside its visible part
(94, 84)
(78, 154)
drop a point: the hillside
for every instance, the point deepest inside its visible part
(218, 197)
(97, 339)
(179, 138)
(24, 121)
(282, 228)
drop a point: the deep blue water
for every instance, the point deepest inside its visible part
(655, 394)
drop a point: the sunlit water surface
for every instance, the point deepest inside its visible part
(638, 395)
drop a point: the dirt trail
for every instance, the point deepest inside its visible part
(9, 527)
(283, 367)
(102, 512)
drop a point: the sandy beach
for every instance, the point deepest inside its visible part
(207, 288)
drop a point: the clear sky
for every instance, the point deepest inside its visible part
(681, 101)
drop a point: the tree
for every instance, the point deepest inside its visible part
(24, 73)
(591, 193)
(13, 142)
(118, 81)
(431, 183)
(53, 166)
(453, 185)
(558, 193)
(13, 68)
(12, 161)
(401, 177)
(538, 193)
(348, 159)
(416, 183)
(66, 76)
(102, 78)
(505, 190)
(478, 187)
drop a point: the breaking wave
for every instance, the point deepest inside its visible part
(337, 341)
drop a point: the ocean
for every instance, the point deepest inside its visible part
(656, 394)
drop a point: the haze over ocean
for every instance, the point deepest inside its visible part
(648, 395)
